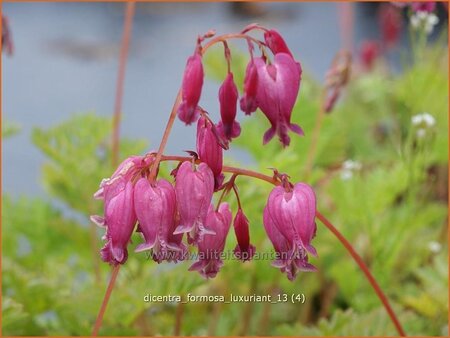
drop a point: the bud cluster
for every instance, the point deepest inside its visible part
(170, 216)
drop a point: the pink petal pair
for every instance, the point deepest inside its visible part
(277, 90)
(194, 188)
(209, 150)
(228, 97)
(191, 89)
(210, 248)
(289, 220)
(119, 215)
(156, 210)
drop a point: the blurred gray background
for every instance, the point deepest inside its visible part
(66, 57)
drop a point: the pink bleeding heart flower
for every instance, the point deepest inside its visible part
(209, 150)
(369, 52)
(210, 248)
(289, 260)
(191, 89)
(7, 41)
(293, 211)
(155, 206)
(228, 97)
(119, 215)
(424, 6)
(276, 43)
(244, 250)
(248, 102)
(278, 86)
(391, 22)
(194, 188)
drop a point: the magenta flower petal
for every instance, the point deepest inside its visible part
(119, 215)
(424, 6)
(191, 90)
(155, 207)
(248, 102)
(289, 220)
(209, 150)
(276, 43)
(228, 97)
(278, 86)
(194, 188)
(210, 248)
(244, 250)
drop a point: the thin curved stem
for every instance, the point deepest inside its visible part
(101, 313)
(356, 257)
(365, 270)
(173, 113)
(129, 13)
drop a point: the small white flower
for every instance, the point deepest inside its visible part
(429, 119)
(423, 120)
(348, 168)
(425, 20)
(346, 175)
(421, 133)
(434, 247)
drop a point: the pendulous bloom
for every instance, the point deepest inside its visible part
(248, 102)
(278, 86)
(390, 21)
(119, 215)
(194, 188)
(191, 89)
(210, 248)
(228, 97)
(293, 210)
(289, 260)
(424, 6)
(244, 250)
(369, 52)
(155, 206)
(209, 150)
(276, 43)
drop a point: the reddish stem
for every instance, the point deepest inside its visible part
(366, 271)
(173, 113)
(101, 313)
(327, 223)
(120, 81)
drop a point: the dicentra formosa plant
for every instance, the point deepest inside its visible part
(165, 212)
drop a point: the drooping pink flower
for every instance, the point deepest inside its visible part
(248, 102)
(7, 42)
(276, 43)
(191, 89)
(278, 86)
(194, 188)
(369, 52)
(424, 6)
(155, 206)
(244, 250)
(289, 260)
(228, 97)
(210, 248)
(293, 211)
(390, 21)
(209, 150)
(119, 215)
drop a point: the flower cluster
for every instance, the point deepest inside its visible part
(423, 123)
(174, 216)
(270, 85)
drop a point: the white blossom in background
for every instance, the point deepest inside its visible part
(434, 247)
(348, 168)
(424, 19)
(424, 122)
